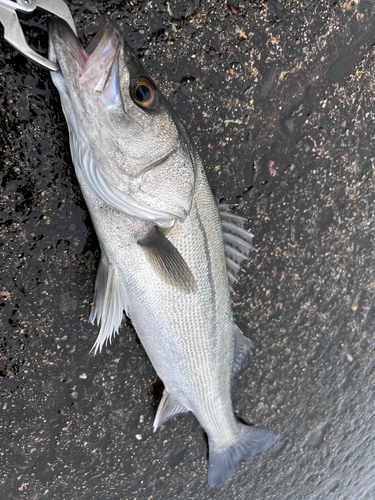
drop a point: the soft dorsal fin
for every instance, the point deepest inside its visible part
(242, 348)
(108, 304)
(168, 408)
(237, 241)
(167, 260)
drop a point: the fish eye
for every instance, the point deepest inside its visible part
(144, 93)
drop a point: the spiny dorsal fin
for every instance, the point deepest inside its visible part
(237, 241)
(167, 260)
(108, 304)
(168, 408)
(242, 348)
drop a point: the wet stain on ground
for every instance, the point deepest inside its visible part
(279, 98)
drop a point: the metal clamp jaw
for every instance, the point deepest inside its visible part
(13, 31)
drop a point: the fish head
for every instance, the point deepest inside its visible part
(126, 141)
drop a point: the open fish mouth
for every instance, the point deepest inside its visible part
(94, 69)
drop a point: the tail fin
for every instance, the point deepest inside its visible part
(223, 463)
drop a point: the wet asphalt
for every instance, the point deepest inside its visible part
(279, 98)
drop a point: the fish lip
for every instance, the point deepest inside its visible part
(60, 33)
(91, 67)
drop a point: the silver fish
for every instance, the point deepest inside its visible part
(167, 250)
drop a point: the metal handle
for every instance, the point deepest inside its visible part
(13, 33)
(58, 8)
(22, 5)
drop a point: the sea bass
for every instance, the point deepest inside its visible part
(166, 249)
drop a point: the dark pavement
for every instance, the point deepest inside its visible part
(279, 98)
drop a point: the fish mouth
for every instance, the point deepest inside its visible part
(94, 69)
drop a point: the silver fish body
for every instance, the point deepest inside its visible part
(165, 257)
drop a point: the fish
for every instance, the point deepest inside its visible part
(169, 253)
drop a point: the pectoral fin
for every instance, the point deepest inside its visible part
(167, 260)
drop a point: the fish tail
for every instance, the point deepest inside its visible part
(223, 463)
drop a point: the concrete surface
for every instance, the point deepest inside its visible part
(279, 97)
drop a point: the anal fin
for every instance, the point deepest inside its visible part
(108, 304)
(242, 348)
(168, 408)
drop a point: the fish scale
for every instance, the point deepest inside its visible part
(164, 248)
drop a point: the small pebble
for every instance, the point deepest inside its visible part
(332, 485)
(315, 438)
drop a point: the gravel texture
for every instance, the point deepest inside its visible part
(279, 98)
